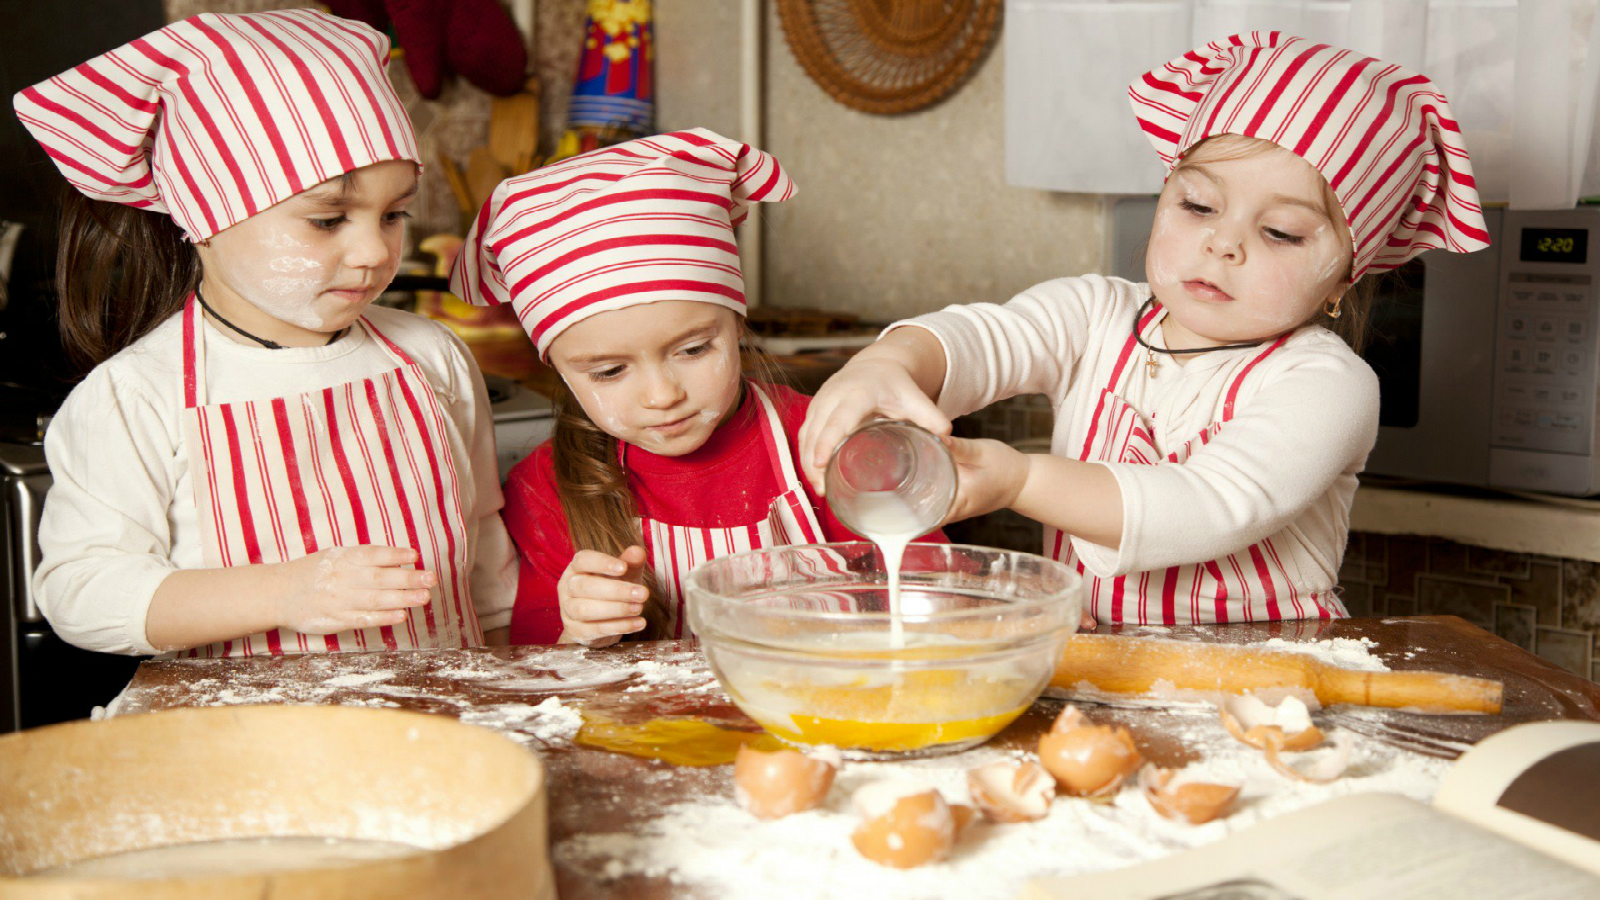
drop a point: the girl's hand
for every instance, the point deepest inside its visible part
(865, 387)
(347, 588)
(602, 596)
(989, 476)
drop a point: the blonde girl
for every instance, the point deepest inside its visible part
(1209, 427)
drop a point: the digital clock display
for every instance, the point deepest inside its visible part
(1561, 245)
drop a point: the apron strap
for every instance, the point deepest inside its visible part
(777, 450)
(777, 440)
(1116, 377)
(395, 350)
(194, 357)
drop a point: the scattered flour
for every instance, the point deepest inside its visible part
(713, 844)
(685, 670)
(549, 721)
(359, 678)
(1346, 653)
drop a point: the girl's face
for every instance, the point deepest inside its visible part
(1244, 249)
(661, 376)
(308, 266)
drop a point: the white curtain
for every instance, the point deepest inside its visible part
(1522, 77)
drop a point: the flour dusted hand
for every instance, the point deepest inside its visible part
(989, 476)
(602, 596)
(347, 588)
(867, 386)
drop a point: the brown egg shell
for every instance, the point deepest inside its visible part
(1090, 760)
(1068, 719)
(1195, 802)
(773, 784)
(918, 829)
(1322, 771)
(1011, 792)
(1233, 715)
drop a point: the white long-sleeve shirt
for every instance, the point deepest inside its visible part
(1284, 467)
(120, 515)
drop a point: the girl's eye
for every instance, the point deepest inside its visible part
(608, 374)
(697, 349)
(1193, 207)
(327, 224)
(398, 215)
(1283, 237)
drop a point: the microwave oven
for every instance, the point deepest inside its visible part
(1488, 363)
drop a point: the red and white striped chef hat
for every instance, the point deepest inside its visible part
(1382, 136)
(217, 117)
(643, 221)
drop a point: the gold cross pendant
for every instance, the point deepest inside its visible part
(1150, 364)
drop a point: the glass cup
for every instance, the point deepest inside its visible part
(891, 464)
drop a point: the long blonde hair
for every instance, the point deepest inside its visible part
(1355, 305)
(593, 486)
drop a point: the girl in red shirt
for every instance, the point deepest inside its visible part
(622, 267)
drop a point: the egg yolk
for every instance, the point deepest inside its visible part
(917, 710)
(680, 741)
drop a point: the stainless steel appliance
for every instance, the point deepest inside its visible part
(43, 679)
(1487, 361)
(523, 419)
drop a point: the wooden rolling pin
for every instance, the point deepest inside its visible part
(1129, 665)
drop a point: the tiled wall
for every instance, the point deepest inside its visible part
(1547, 605)
(1543, 604)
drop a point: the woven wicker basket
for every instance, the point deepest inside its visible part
(889, 56)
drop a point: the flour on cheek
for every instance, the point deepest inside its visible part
(601, 410)
(283, 281)
(1157, 262)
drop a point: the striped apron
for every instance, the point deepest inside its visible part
(365, 462)
(676, 549)
(1248, 586)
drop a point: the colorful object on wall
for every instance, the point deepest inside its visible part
(475, 39)
(613, 96)
(889, 56)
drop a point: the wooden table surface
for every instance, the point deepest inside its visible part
(499, 687)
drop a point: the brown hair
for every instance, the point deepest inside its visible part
(120, 272)
(1355, 304)
(593, 486)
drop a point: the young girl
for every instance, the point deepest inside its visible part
(259, 463)
(1208, 428)
(622, 267)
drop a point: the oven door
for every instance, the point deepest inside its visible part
(1433, 347)
(43, 679)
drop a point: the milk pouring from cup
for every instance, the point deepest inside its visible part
(891, 481)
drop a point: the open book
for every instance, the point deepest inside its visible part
(1517, 816)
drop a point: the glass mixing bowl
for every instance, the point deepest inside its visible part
(800, 638)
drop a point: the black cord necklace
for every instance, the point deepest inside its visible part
(270, 345)
(1150, 364)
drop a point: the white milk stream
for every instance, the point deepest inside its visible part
(889, 522)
